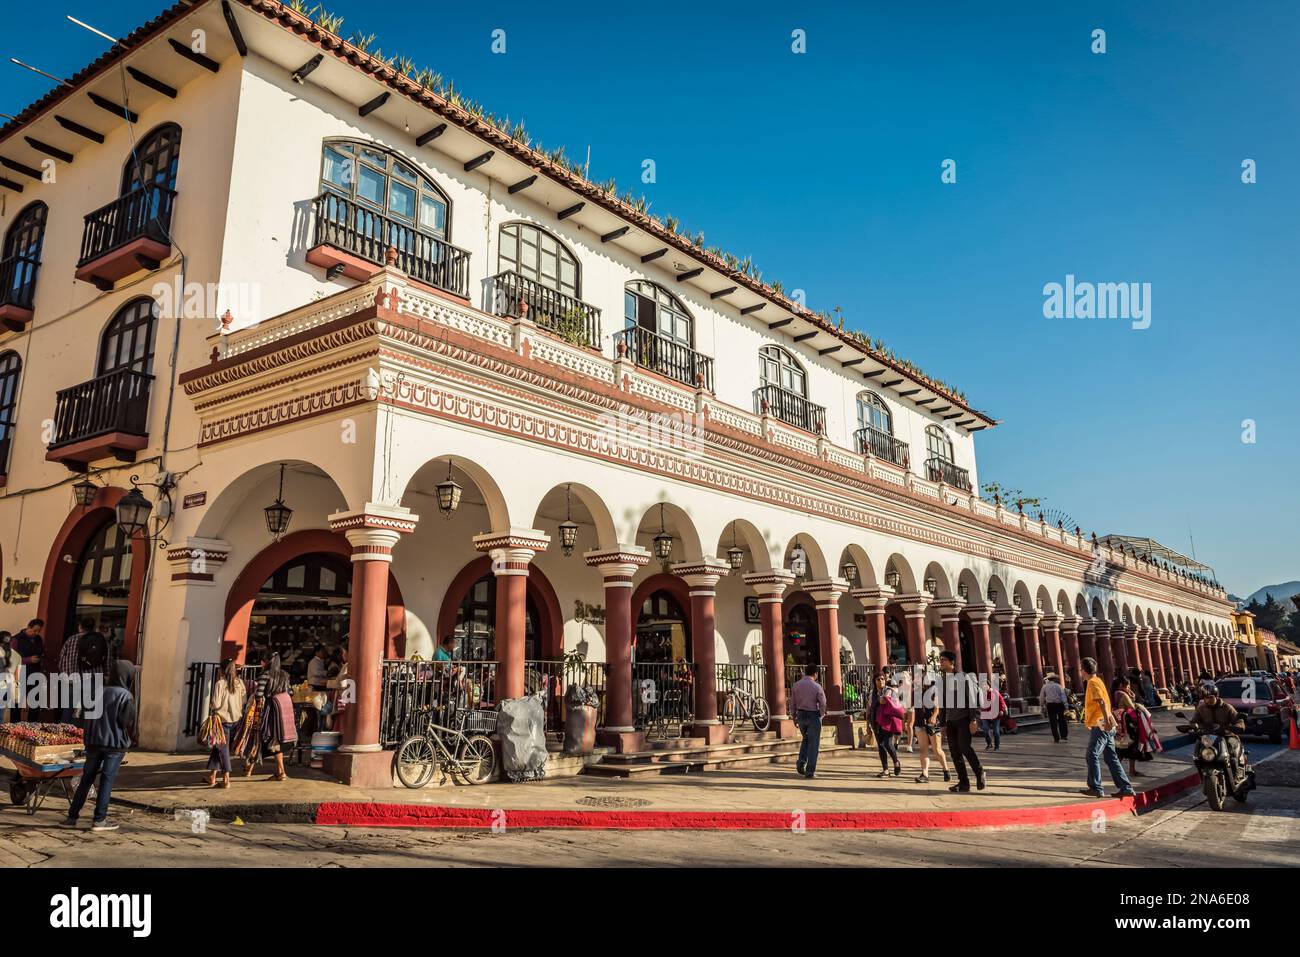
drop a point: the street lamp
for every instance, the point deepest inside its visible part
(892, 578)
(133, 511)
(84, 492)
(663, 542)
(449, 494)
(849, 571)
(277, 513)
(568, 527)
(735, 554)
(931, 585)
(798, 561)
(963, 590)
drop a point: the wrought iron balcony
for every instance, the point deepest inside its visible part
(882, 445)
(18, 290)
(941, 470)
(790, 407)
(362, 238)
(510, 294)
(658, 353)
(105, 416)
(127, 235)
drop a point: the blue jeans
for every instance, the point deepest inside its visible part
(1103, 743)
(992, 728)
(102, 762)
(810, 726)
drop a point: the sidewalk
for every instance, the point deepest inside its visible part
(1032, 780)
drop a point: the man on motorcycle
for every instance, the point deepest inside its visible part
(1212, 710)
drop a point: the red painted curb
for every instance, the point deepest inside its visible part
(363, 814)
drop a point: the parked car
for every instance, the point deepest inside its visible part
(1263, 702)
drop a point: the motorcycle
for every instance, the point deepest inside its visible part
(1222, 762)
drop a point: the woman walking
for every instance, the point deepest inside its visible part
(8, 677)
(1130, 741)
(225, 706)
(904, 696)
(888, 719)
(994, 707)
(929, 735)
(268, 722)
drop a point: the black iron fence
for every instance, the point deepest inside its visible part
(413, 692)
(941, 470)
(116, 402)
(857, 681)
(668, 357)
(367, 233)
(567, 316)
(143, 213)
(882, 445)
(790, 407)
(663, 695)
(199, 679)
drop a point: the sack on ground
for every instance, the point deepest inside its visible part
(521, 729)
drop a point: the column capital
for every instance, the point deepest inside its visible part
(914, 604)
(1070, 623)
(1101, 628)
(1052, 621)
(874, 599)
(195, 561)
(950, 608)
(770, 584)
(374, 530)
(1132, 630)
(980, 612)
(826, 591)
(1087, 626)
(1005, 617)
(1030, 618)
(703, 574)
(617, 565)
(523, 539)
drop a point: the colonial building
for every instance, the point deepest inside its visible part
(385, 374)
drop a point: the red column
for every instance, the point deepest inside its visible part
(914, 607)
(1033, 650)
(979, 624)
(618, 566)
(873, 602)
(511, 554)
(702, 579)
(1133, 646)
(1087, 644)
(1185, 656)
(826, 596)
(1118, 650)
(1006, 619)
(1070, 638)
(770, 586)
(950, 619)
(360, 760)
(1105, 656)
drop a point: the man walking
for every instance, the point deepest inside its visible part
(1054, 702)
(1100, 722)
(31, 652)
(809, 702)
(108, 736)
(960, 711)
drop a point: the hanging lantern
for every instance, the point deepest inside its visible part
(892, 578)
(663, 542)
(931, 585)
(735, 554)
(277, 513)
(84, 492)
(133, 512)
(449, 494)
(993, 595)
(963, 590)
(568, 527)
(849, 571)
(1039, 604)
(798, 561)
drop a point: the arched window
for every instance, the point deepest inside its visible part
(129, 338)
(10, 368)
(538, 256)
(874, 414)
(938, 445)
(781, 369)
(21, 257)
(649, 306)
(385, 183)
(476, 623)
(155, 160)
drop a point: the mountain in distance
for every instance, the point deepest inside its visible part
(1281, 594)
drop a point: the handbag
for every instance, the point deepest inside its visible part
(212, 733)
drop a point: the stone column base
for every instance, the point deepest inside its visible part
(784, 727)
(361, 769)
(622, 742)
(843, 726)
(717, 733)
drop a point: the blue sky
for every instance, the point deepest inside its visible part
(825, 168)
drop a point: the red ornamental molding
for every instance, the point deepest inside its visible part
(489, 542)
(616, 557)
(372, 520)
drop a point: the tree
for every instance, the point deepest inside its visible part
(1010, 497)
(1271, 615)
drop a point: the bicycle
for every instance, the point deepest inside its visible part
(464, 753)
(743, 705)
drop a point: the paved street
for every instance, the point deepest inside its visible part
(1185, 833)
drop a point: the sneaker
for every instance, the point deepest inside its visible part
(1091, 793)
(883, 774)
(1130, 793)
(798, 769)
(104, 825)
(981, 781)
(68, 822)
(922, 779)
(958, 789)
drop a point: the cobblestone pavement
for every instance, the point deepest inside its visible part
(1185, 833)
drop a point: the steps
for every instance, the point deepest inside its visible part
(686, 755)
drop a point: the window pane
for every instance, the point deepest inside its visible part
(370, 185)
(370, 156)
(433, 215)
(509, 248)
(297, 577)
(405, 173)
(401, 201)
(338, 169)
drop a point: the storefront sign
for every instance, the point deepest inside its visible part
(593, 614)
(752, 614)
(194, 500)
(18, 591)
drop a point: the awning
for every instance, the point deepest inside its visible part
(1150, 548)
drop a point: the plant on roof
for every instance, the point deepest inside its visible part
(362, 43)
(405, 66)
(330, 22)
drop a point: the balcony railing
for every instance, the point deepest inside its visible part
(882, 445)
(791, 408)
(355, 229)
(18, 281)
(116, 402)
(656, 352)
(143, 213)
(941, 470)
(568, 317)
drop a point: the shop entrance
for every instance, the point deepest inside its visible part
(802, 641)
(307, 600)
(101, 585)
(895, 642)
(663, 632)
(475, 629)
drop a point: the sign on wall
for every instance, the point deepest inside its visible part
(19, 591)
(752, 614)
(194, 500)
